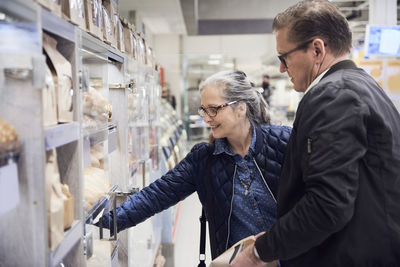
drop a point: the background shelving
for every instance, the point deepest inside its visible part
(126, 84)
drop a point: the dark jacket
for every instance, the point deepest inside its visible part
(339, 194)
(188, 177)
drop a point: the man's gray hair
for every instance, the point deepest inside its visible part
(307, 20)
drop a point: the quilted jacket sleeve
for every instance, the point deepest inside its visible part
(163, 193)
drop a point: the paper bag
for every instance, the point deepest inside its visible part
(68, 207)
(55, 201)
(228, 256)
(62, 76)
(49, 100)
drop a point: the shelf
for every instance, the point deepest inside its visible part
(13, 155)
(96, 46)
(114, 256)
(112, 139)
(20, 9)
(167, 151)
(71, 237)
(194, 125)
(57, 26)
(9, 185)
(138, 124)
(135, 168)
(99, 205)
(61, 134)
(100, 135)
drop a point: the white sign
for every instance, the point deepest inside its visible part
(9, 190)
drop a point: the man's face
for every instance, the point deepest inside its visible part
(299, 63)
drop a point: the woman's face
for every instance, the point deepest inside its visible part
(227, 120)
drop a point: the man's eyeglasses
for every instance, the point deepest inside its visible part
(301, 46)
(212, 111)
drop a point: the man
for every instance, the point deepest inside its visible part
(267, 90)
(339, 195)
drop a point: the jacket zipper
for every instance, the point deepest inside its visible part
(309, 140)
(230, 212)
(265, 181)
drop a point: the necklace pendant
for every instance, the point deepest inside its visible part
(246, 192)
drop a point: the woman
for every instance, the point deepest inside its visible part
(235, 177)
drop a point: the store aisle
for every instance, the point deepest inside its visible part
(187, 237)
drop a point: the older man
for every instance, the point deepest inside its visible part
(339, 195)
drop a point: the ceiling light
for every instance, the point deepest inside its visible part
(215, 56)
(228, 65)
(213, 62)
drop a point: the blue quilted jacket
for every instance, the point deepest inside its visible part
(188, 176)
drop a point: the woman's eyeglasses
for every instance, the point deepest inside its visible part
(301, 46)
(212, 111)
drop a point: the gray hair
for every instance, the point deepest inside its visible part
(237, 87)
(316, 19)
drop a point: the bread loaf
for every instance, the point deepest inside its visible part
(8, 138)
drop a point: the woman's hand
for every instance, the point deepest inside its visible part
(106, 222)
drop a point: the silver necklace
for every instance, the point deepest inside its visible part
(245, 185)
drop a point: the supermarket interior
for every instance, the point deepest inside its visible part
(100, 98)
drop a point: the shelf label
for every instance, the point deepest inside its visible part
(114, 257)
(61, 134)
(112, 141)
(86, 153)
(9, 189)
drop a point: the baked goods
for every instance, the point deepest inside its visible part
(96, 109)
(8, 138)
(96, 186)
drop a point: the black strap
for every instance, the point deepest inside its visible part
(202, 255)
(203, 218)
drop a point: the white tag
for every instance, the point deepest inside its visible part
(95, 220)
(112, 140)
(9, 190)
(86, 152)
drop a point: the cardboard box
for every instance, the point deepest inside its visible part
(62, 75)
(107, 27)
(94, 18)
(111, 6)
(120, 36)
(53, 5)
(74, 10)
(68, 212)
(128, 37)
(49, 100)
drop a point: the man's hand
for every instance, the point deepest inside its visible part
(247, 259)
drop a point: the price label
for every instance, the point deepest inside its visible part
(9, 189)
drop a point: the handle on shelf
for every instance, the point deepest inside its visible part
(116, 86)
(115, 196)
(18, 73)
(144, 174)
(114, 218)
(23, 67)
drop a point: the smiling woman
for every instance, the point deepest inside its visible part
(240, 169)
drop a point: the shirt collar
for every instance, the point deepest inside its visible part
(316, 80)
(222, 145)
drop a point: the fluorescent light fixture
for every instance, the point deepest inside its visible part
(228, 65)
(213, 62)
(215, 56)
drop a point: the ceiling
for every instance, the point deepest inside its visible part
(160, 16)
(230, 17)
(219, 17)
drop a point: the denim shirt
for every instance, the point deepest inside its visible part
(256, 211)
